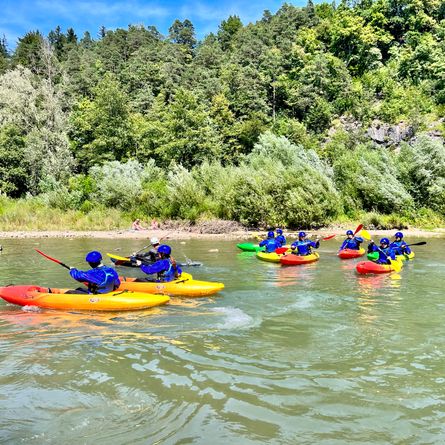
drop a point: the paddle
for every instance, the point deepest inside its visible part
(148, 245)
(397, 265)
(365, 234)
(53, 259)
(420, 243)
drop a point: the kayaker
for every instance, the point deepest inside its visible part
(351, 242)
(270, 243)
(304, 246)
(386, 253)
(399, 245)
(281, 239)
(165, 268)
(151, 255)
(136, 225)
(101, 279)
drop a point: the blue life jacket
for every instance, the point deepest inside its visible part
(271, 244)
(304, 247)
(400, 247)
(384, 254)
(101, 280)
(164, 269)
(281, 240)
(353, 244)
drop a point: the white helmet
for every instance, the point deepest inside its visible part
(154, 241)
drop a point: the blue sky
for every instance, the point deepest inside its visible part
(19, 16)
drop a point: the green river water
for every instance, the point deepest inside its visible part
(284, 355)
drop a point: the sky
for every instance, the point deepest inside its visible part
(20, 16)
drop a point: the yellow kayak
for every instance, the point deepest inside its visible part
(406, 256)
(184, 286)
(272, 257)
(52, 298)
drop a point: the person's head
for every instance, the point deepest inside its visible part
(384, 242)
(164, 250)
(398, 236)
(302, 235)
(350, 233)
(279, 231)
(270, 234)
(93, 258)
(154, 242)
(137, 220)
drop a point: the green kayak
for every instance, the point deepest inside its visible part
(250, 247)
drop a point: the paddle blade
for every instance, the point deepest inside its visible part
(420, 243)
(365, 234)
(52, 259)
(396, 265)
(328, 237)
(359, 227)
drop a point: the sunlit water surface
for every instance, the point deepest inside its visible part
(298, 355)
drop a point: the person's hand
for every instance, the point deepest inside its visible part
(133, 254)
(138, 262)
(71, 268)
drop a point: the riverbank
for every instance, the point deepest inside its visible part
(189, 234)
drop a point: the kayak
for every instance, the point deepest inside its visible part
(292, 259)
(184, 286)
(346, 254)
(131, 261)
(272, 257)
(369, 267)
(52, 298)
(406, 256)
(250, 247)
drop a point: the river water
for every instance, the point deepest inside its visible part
(299, 355)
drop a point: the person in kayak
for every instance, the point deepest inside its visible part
(351, 242)
(281, 239)
(270, 243)
(386, 253)
(399, 245)
(304, 246)
(150, 256)
(165, 268)
(100, 279)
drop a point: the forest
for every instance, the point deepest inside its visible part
(267, 123)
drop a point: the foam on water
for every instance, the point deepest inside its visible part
(234, 318)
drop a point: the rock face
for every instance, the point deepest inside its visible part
(385, 135)
(390, 135)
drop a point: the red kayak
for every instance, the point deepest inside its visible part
(293, 260)
(346, 254)
(369, 267)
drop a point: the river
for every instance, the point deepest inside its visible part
(284, 355)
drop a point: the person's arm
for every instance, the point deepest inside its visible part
(263, 243)
(343, 245)
(80, 275)
(157, 267)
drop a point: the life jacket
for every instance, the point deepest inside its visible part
(109, 284)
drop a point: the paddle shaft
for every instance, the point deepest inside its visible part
(148, 245)
(52, 259)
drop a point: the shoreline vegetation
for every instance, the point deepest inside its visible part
(309, 117)
(181, 234)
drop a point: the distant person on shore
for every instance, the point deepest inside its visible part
(304, 246)
(137, 225)
(351, 242)
(100, 279)
(154, 224)
(399, 245)
(165, 268)
(270, 243)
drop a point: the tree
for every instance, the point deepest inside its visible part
(183, 33)
(4, 55)
(29, 51)
(227, 30)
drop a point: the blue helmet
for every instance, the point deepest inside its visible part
(279, 231)
(384, 241)
(398, 235)
(270, 234)
(349, 232)
(93, 257)
(166, 250)
(302, 235)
